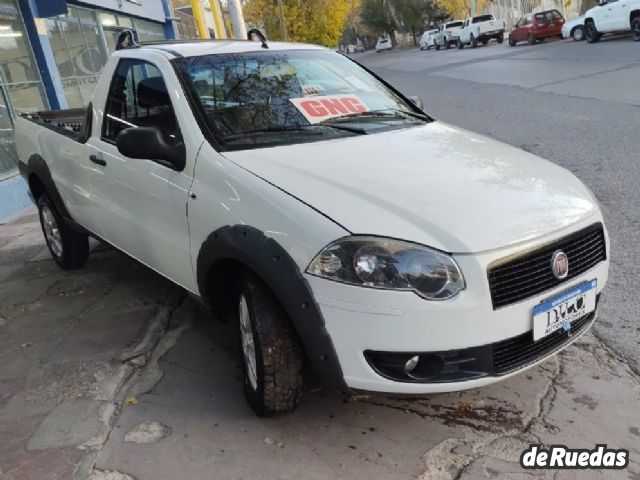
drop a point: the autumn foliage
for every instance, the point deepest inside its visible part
(310, 21)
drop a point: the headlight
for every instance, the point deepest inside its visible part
(389, 264)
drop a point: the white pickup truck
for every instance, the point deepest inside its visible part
(315, 206)
(448, 34)
(480, 29)
(612, 16)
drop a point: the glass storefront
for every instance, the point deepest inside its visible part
(79, 52)
(82, 41)
(20, 85)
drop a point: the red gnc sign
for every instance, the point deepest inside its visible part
(317, 109)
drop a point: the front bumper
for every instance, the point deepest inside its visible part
(369, 326)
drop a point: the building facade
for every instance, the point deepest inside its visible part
(51, 53)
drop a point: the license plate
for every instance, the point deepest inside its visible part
(558, 312)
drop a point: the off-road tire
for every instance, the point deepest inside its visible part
(591, 32)
(279, 356)
(635, 29)
(72, 251)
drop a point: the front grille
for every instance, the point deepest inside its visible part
(517, 352)
(530, 274)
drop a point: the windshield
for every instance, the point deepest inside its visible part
(260, 99)
(482, 18)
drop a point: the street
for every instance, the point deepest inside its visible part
(170, 402)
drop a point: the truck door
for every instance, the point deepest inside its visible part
(141, 204)
(618, 15)
(602, 16)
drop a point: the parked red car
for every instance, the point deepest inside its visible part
(537, 26)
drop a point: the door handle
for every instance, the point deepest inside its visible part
(99, 161)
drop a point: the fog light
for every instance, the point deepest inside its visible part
(411, 364)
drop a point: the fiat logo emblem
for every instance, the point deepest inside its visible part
(560, 265)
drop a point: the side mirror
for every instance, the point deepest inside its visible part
(602, 3)
(149, 143)
(417, 101)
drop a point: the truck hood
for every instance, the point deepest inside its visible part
(435, 184)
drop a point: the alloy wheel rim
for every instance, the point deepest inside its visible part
(248, 344)
(578, 34)
(51, 231)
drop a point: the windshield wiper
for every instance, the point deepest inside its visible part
(294, 128)
(389, 113)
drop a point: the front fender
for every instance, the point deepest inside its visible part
(277, 269)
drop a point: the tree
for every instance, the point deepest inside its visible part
(379, 17)
(311, 21)
(414, 14)
(461, 9)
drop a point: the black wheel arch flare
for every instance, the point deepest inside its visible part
(36, 165)
(275, 267)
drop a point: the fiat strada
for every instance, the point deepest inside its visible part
(335, 222)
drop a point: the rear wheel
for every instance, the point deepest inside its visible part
(500, 38)
(484, 42)
(460, 45)
(70, 249)
(591, 32)
(635, 29)
(437, 46)
(272, 356)
(577, 34)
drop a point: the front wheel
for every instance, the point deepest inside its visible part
(578, 34)
(437, 47)
(69, 248)
(635, 29)
(460, 45)
(531, 39)
(591, 33)
(447, 44)
(512, 42)
(474, 41)
(271, 352)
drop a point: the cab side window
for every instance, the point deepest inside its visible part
(138, 97)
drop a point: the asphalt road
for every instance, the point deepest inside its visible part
(575, 104)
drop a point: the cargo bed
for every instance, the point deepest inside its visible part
(74, 123)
